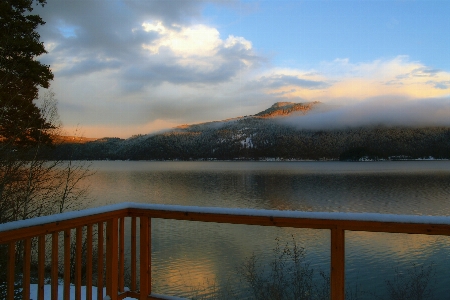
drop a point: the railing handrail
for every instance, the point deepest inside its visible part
(336, 222)
(374, 222)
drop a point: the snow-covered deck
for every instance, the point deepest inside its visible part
(368, 217)
(47, 229)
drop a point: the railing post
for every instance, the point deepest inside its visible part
(54, 271)
(67, 245)
(145, 260)
(41, 266)
(133, 254)
(78, 246)
(112, 258)
(11, 269)
(26, 269)
(121, 254)
(89, 262)
(337, 264)
(100, 260)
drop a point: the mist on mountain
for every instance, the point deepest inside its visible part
(380, 111)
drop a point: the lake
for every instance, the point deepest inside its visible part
(192, 259)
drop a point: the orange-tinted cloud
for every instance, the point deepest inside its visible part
(398, 76)
(121, 131)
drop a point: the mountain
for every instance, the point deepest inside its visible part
(265, 136)
(61, 139)
(286, 109)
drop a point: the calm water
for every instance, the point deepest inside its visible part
(194, 259)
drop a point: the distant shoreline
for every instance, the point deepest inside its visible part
(266, 160)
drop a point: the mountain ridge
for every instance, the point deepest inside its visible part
(278, 109)
(286, 109)
(262, 136)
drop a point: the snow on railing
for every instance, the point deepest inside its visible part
(48, 232)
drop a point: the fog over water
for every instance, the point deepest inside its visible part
(385, 111)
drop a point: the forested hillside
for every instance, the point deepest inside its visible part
(262, 136)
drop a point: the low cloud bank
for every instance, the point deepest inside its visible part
(385, 111)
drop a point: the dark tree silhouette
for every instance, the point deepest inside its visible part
(21, 75)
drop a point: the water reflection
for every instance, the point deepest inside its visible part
(188, 256)
(212, 253)
(372, 259)
(400, 193)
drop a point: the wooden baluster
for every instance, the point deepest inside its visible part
(78, 265)
(121, 254)
(26, 269)
(337, 264)
(149, 246)
(66, 295)
(41, 266)
(54, 275)
(11, 268)
(100, 261)
(112, 258)
(89, 263)
(133, 254)
(145, 259)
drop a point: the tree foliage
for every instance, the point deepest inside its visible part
(255, 139)
(31, 185)
(21, 75)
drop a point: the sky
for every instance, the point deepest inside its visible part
(125, 67)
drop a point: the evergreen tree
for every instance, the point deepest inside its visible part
(21, 75)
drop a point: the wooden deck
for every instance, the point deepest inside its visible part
(105, 227)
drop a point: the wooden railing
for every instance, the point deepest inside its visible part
(89, 225)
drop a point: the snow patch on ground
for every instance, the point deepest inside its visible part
(247, 143)
(47, 292)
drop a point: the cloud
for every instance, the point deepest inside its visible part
(89, 66)
(342, 81)
(443, 85)
(122, 131)
(385, 111)
(148, 43)
(131, 63)
(276, 81)
(171, 12)
(189, 41)
(191, 54)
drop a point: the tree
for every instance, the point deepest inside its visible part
(21, 75)
(31, 185)
(23, 125)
